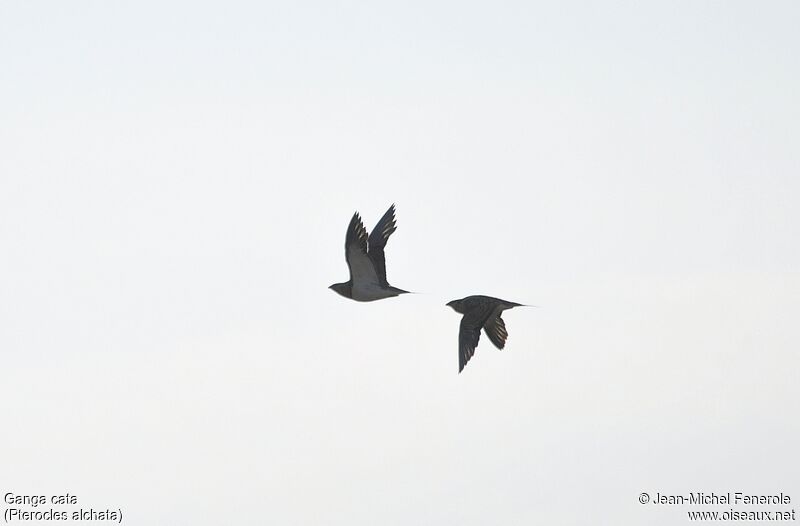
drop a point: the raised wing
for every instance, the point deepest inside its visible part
(355, 252)
(377, 242)
(495, 329)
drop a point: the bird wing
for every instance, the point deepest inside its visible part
(355, 252)
(495, 329)
(470, 332)
(467, 341)
(377, 242)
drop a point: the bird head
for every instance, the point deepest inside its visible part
(456, 305)
(341, 288)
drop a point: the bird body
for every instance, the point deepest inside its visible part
(366, 260)
(371, 292)
(480, 312)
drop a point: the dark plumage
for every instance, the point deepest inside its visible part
(480, 312)
(366, 260)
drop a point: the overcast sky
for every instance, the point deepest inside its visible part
(176, 179)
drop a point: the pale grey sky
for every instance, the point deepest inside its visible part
(175, 183)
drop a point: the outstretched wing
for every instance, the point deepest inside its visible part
(470, 332)
(355, 252)
(377, 242)
(495, 329)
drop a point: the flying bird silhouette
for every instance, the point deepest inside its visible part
(480, 312)
(366, 261)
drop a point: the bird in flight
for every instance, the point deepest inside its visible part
(364, 256)
(480, 312)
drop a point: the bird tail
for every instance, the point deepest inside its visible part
(512, 305)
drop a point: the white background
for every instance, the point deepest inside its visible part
(175, 184)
